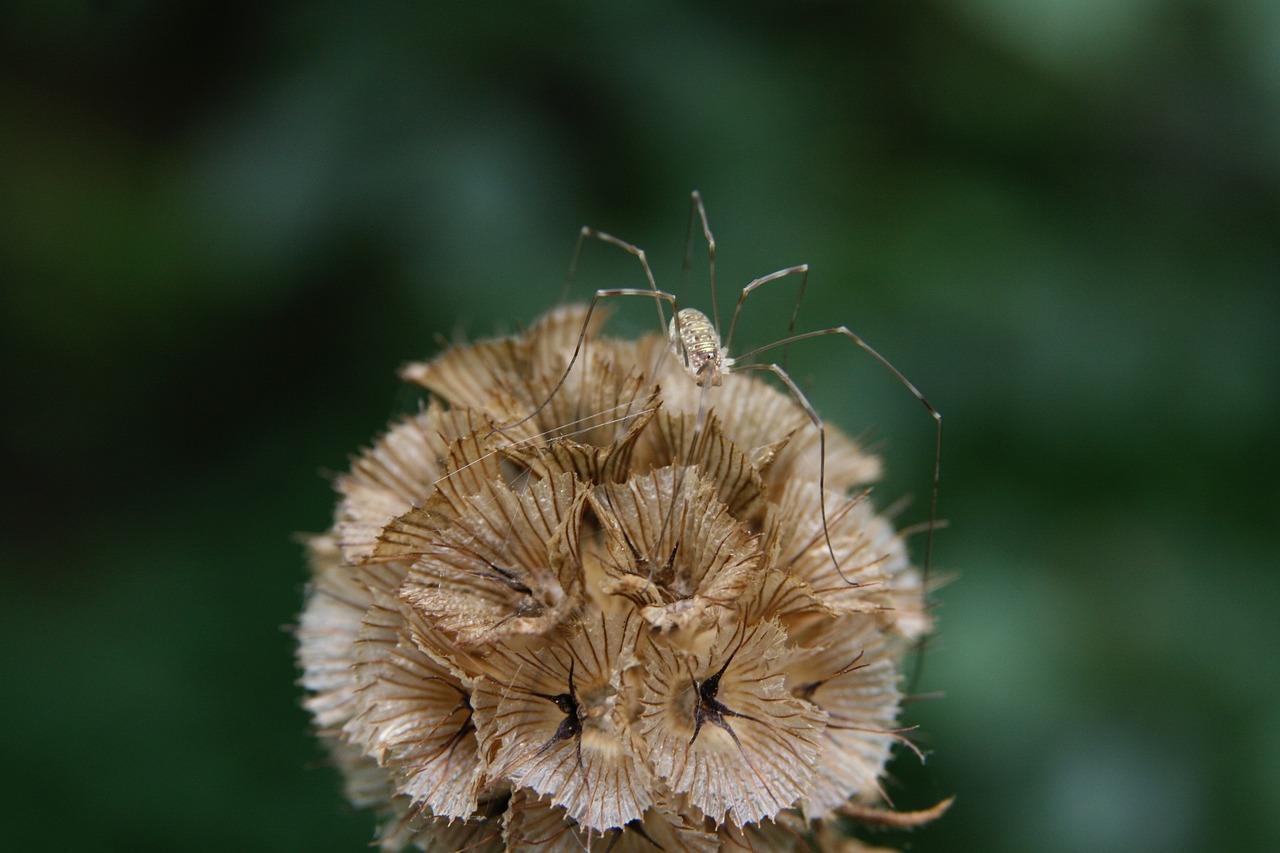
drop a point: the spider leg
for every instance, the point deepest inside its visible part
(803, 271)
(652, 292)
(934, 413)
(698, 213)
(630, 248)
(822, 453)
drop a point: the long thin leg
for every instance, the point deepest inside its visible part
(822, 453)
(659, 296)
(587, 232)
(696, 209)
(640, 256)
(937, 417)
(655, 294)
(802, 270)
(571, 275)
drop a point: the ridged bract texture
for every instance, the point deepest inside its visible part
(614, 625)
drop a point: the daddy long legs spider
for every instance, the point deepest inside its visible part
(694, 339)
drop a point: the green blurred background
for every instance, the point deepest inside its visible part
(224, 226)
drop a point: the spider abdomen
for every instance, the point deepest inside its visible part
(695, 341)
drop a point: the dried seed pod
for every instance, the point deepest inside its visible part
(653, 612)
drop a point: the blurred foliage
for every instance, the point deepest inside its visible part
(223, 226)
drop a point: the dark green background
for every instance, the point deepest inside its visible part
(223, 227)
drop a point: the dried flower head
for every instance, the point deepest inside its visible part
(640, 618)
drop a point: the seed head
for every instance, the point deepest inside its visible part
(616, 625)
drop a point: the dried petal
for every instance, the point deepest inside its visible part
(787, 833)
(327, 632)
(496, 564)
(674, 548)
(767, 422)
(849, 672)
(416, 714)
(410, 826)
(590, 462)
(678, 439)
(488, 376)
(550, 719)
(537, 826)
(399, 471)
(874, 575)
(722, 727)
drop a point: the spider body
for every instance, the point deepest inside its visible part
(696, 342)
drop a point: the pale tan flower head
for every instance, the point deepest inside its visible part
(607, 618)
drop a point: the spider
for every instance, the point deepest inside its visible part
(694, 339)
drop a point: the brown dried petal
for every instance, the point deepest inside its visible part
(399, 471)
(723, 728)
(783, 597)
(508, 378)
(851, 674)
(589, 462)
(471, 465)
(496, 564)
(757, 414)
(416, 718)
(408, 826)
(868, 560)
(488, 376)
(874, 548)
(595, 403)
(787, 834)
(673, 545)
(327, 631)
(829, 838)
(771, 427)
(537, 826)
(753, 413)
(677, 439)
(365, 784)
(553, 338)
(847, 467)
(551, 719)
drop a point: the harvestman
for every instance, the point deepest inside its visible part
(694, 338)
